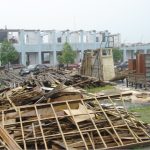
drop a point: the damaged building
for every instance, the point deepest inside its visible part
(43, 46)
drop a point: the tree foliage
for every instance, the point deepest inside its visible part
(8, 53)
(117, 55)
(68, 55)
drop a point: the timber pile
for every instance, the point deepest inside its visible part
(66, 77)
(41, 80)
(51, 78)
(84, 81)
(19, 96)
(77, 124)
(54, 79)
(32, 95)
(10, 79)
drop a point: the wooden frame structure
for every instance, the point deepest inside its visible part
(47, 126)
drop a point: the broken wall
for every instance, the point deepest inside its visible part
(108, 67)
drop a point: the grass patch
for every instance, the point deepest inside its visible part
(143, 111)
(98, 89)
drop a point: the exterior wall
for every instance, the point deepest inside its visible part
(52, 59)
(107, 65)
(31, 37)
(148, 51)
(78, 57)
(108, 68)
(130, 54)
(74, 37)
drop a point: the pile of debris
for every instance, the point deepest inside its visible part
(10, 79)
(51, 78)
(19, 96)
(68, 77)
(77, 124)
(44, 113)
(84, 81)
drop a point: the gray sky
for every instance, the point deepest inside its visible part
(128, 17)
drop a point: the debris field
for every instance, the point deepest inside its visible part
(52, 111)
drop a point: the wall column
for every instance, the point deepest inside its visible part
(134, 55)
(39, 43)
(94, 39)
(145, 51)
(22, 48)
(124, 54)
(105, 44)
(68, 36)
(82, 42)
(54, 48)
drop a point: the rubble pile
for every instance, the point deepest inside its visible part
(84, 81)
(10, 79)
(49, 79)
(67, 77)
(76, 124)
(44, 113)
(19, 96)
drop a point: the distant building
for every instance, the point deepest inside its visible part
(42, 46)
(130, 50)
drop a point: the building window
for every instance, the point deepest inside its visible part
(97, 39)
(106, 52)
(3, 36)
(103, 37)
(46, 57)
(59, 39)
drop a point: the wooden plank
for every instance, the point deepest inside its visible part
(77, 126)
(101, 138)
(9, 140)
(109, 121)
(63, 137)
(22, 130)
(39, 121)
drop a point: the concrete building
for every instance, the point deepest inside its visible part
(42, 46)
(129, 50)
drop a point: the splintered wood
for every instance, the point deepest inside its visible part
(51, 78)
(42, 112)
(77, 125)
(9, 79)
(19, 96)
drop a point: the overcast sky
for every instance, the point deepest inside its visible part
(131, 18)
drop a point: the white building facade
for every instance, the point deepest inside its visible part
(43, 46)
(130, 50)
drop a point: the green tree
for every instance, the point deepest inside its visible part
(8, 54)
(67, 56)
(117, 55)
